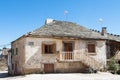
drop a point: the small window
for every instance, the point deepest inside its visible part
(12, 66)
(12, 51)
(11, 57)
(48, 48)
(16, 51)
(91, 48)
(31, 43)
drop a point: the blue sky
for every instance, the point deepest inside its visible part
(18, 17)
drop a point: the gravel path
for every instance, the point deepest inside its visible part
(68, 76)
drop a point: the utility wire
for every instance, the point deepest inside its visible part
(4, 45)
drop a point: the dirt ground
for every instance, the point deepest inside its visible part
(3, 64)
(60, 76)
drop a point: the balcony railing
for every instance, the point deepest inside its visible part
(70, 56)
(66, 56)
(80, 56)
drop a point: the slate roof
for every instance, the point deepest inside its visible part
(66, 29)
(113, 37)
(69, 29)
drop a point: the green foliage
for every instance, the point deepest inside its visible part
(113, 66)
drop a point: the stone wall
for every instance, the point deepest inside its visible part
(30, 58)
(18, 59)
(73, 67)
(35, 59)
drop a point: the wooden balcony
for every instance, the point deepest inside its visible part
(82, 57)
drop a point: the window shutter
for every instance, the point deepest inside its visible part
(91, 47)
(48, 48)
(54, 48)
(43, 48)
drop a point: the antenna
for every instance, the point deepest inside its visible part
(101, 22)
(65, 13)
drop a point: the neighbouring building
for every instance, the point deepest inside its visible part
(3, 58)
(61, 46)
(5, 51)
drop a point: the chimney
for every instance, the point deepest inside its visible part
(104, 31)
(48, 21)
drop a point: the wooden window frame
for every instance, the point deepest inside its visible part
(49, 49)
(49, 46)
(93, 47)
(64, 42)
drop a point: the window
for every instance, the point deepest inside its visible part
(68, 46)
(12, 66)
(12, 51)
(15, 67)
(16, 51)
(31, 43)
(48, 48)
(11, 57)
(91, 48)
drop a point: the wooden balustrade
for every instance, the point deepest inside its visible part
(80, 56)
(66, 56)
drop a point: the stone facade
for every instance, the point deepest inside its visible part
(30, 58)
(61, 46)
(17, 57)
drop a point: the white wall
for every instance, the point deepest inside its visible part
(34, 55)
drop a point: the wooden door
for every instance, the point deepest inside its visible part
(48, 68)
(68, 48)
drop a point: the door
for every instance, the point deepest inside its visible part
(48, 68)
(68, 48)
(15, 68)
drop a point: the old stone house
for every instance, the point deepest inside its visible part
(5, 51)
(61, 46)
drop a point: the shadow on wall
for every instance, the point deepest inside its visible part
(35, 59)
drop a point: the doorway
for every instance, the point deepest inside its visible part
(48, 68)
(68, 49)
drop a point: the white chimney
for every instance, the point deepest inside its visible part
(48, 21)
